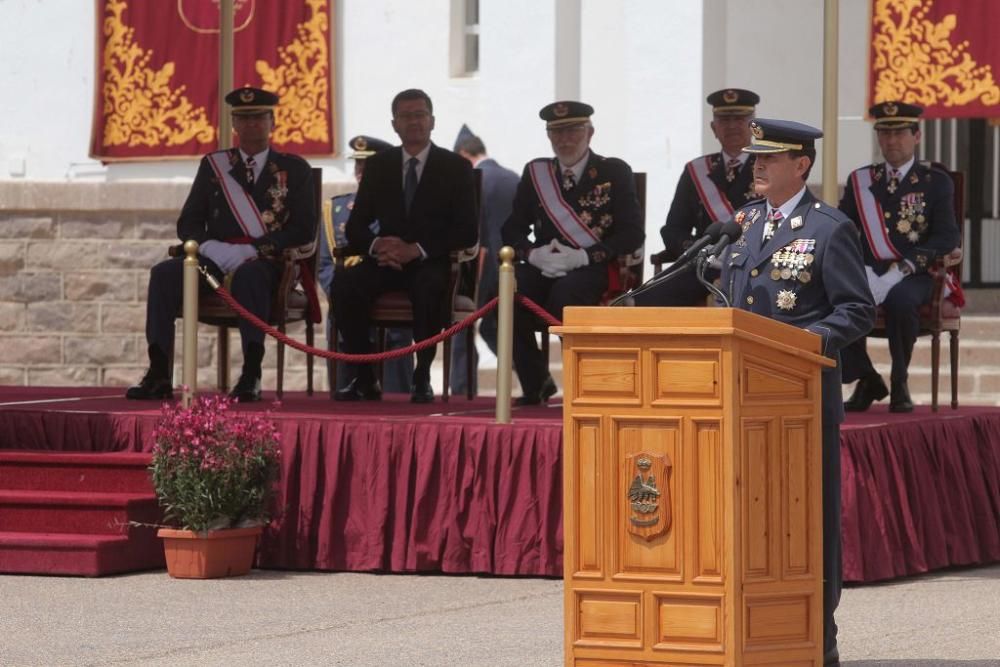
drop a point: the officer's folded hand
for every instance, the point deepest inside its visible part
(544, 258)
(570, 258)
(227, 256)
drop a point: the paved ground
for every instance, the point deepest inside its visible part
(280, 618)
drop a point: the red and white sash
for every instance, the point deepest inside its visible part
(562, 215)
(870, 212)
(240, 203)
(712, 198)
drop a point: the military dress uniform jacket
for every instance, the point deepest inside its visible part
(341, 207)
(283, 194)
(442, 216)
(919, 216)
(687, 211)
(605, 199)
(809, 275)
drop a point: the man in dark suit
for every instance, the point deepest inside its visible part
(583, 213)
(798, 261)
(398, 373)
(423, 198)
(498, 187)
(245, 207)
(710, 188)
(905, 211)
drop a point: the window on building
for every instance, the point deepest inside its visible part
(464, 37)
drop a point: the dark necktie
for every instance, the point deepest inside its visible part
(410, 183)
(732, 169)
(569, 180)
(773, 221)
(250, 168)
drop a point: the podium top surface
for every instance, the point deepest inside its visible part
(692, 322)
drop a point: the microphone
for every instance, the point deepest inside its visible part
(728, 233)
(682, 263)
(711, 235)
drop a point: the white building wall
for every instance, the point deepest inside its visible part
(645, 65)
(775, 48)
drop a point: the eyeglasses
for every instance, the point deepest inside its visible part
(413, 115)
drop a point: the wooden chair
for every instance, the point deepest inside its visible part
(393, 309)
(630, 267)
(289, 305)
(941, 314)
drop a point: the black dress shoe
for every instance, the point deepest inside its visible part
(422, 392)
(870, 388)
(831, 657)
(358, 390)
(547, 391)
(152, 386)
(247, 390)
(900, 399)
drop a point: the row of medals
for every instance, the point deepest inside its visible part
(793, 261)
(911, 221)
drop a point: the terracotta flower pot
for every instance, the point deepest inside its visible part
(217, 553)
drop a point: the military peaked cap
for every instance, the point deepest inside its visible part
(365, 146)
(248, 101)
(733, 102)
(566, 112)
(894, 114)
(779, 136)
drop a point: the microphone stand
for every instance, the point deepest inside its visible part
(675, 269)
(702, 264)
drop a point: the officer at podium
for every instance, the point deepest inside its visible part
(799, 261)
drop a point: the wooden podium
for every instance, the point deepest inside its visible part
(692, 488)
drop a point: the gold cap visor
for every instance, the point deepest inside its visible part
(765, 146)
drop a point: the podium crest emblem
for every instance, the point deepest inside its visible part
(648, 495)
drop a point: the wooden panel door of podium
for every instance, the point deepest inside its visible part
(692, 489)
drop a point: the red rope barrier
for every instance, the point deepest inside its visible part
(344, 356)
(542, 314)
(388, 354)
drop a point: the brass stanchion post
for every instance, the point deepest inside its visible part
(505, 334)
(189, 362)
(831, 64)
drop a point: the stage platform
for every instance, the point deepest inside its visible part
(396, 487)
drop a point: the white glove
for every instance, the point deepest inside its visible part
(878, 287)
(545, 260)
(227, 256)
(570, 258)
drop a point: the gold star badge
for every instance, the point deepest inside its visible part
(786, 299)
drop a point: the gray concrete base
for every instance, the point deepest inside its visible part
(356, 620)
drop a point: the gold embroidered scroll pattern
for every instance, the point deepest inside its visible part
(301, 81)
(917, 63)
(140, 109)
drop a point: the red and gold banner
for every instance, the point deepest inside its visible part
(940, 54)
(157, 75)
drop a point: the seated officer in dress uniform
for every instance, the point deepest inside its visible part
(245, 207)
(583, 211)
(905, 211)
(798, 261)
(397, 372)
(710, 188)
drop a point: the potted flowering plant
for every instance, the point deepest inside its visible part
(214, 472)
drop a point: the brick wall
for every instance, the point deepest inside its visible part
(74, 268)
